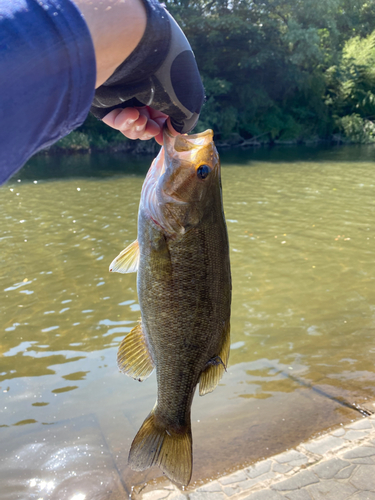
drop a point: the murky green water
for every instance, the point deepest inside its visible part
(302, 235)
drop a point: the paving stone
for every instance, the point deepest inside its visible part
(234, 478)
(329, 468)
(265, 495)
(205, 495)
(353, 435)
(346, 473)
(230, 491)
(176, 496)
(364, 478)
(364, 495)
(321, 446)
(211, 487)
(363, 461)
(361, 451)
(361, 424)
(282, 468)
(290, 456)
(245, 485)
(298, 495)
(339, 432)
(299, 480)
(331, 490)
(298, 463)
(156, 495)
(259, 469)
(266, 477)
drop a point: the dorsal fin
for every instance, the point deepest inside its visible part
(127, 261)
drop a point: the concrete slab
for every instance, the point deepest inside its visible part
(337, 466)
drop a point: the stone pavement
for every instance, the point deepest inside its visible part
(339, 465)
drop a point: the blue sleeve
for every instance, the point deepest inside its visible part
(47, 77)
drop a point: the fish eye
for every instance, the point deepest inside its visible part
(203, 171)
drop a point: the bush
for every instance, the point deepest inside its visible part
(77, 141)
(357, 129)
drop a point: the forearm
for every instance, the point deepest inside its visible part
(47, 76)
(116, 27)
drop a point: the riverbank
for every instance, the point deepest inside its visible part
(335, 466)
(82, 143)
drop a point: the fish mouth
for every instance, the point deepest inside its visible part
(184, 142)
(194, 149)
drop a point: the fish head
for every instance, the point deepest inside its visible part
(182, 182)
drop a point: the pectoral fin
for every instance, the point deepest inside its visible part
(133, 356)
(216, 366)
(127, 261)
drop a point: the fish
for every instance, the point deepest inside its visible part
(181, 257)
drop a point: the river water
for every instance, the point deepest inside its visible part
(302, 237)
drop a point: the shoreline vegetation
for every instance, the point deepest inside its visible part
(274, 72)
(81, 145)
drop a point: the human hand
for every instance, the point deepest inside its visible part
(161, 74)
(142, 123)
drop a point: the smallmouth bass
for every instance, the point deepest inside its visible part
(181, 256)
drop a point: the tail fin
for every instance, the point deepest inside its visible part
(154, 444)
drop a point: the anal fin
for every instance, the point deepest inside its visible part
(216, 366)
(133, 356)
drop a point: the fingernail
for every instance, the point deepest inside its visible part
(129, 122)
(139, 128)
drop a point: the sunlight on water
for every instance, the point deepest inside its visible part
(302, 242)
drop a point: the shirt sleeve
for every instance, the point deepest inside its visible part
(47, 77)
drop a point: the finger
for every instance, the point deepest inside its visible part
(126, 119)
(151, 130)
(132, 129)
(171, 129)
(110, 118)
(154, 114)
(159, 137)
(142, 129)
(137, 128)
(121, 119)
(139, 125)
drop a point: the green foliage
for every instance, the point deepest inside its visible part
(92, 135)
(352, 89)
(77, 141)
(267, 64)
(277, 69)
(357, 129)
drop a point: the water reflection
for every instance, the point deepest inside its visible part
(302, 248)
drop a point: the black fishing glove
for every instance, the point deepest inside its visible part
(161, 73)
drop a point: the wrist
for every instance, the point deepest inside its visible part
(116, 28)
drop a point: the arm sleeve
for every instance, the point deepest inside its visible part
(47, 77)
